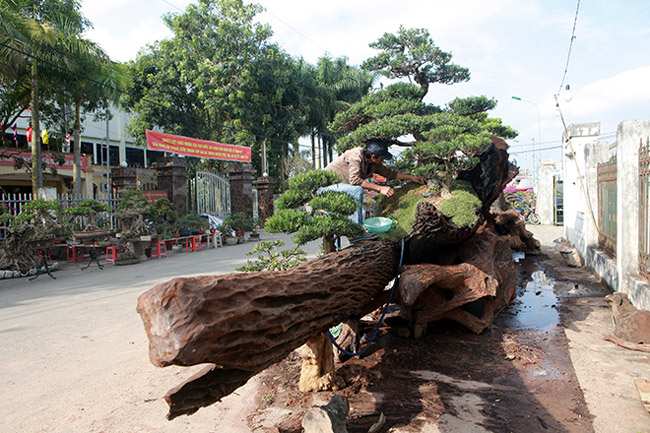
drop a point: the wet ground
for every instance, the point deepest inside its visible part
(517, 377)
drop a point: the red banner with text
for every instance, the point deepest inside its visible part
(197, 148)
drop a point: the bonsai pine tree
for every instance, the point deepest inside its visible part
(445, 139)
(88, 208)
(132, 212)
(301, 210)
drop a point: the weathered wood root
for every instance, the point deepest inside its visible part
(510, 226)
(18, 255)
(204, 388)
(430, 292)
(248, 321)
(627, 344)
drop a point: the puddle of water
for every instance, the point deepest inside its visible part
(534, 307)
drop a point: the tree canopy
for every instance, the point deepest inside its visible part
(441, 140)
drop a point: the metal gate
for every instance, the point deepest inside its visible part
(209, 194)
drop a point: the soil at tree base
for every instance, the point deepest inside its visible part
(517, 377)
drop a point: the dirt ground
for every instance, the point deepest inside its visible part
(75, 360)
(517, 377)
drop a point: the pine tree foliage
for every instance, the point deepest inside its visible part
(441, 140)
(311, 216)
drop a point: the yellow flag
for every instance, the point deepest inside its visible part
(45, 136)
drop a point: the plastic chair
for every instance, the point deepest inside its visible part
(218, 240)
(40, 255)
(193, 244)
(72, 254)
(112, 256)
(158, 249)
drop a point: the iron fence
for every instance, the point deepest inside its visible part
(607, 207)
(644, 193)
(13, 205)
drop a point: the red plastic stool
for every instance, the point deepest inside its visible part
(40, 255)
(112, 256)
(193, 244)
(158, 249)
(72, 254)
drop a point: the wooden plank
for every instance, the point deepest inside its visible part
(643, 386)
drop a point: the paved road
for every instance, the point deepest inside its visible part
(74, 352)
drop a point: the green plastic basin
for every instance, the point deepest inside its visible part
(378, 224)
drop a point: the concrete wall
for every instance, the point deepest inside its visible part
(621, 273)
(581, 156)
(628, 135)
(545, 191)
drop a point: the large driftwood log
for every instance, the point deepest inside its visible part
(248, 321)
(486, 273)
(242, 323)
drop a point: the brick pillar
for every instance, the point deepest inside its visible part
(172, 177)
(123, 179)
(264, 186)
(241, 189)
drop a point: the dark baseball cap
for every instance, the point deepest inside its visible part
(379, 148)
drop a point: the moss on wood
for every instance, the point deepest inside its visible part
(461, 206)
(401, 208)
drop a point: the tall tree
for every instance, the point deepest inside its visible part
(30, 30)
(92, 82)
(219, 78)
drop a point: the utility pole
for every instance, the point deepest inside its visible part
(108, 154)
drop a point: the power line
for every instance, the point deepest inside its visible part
(603, 135)
(536, 150)
(573, 33)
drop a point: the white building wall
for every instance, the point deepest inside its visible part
(579, 228)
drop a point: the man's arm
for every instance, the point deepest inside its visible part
(418, 179)
(381, 189)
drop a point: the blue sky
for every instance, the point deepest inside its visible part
(510, 47)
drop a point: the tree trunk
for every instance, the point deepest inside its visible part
(76, 174)
(325, 151)
(313, 150)
(37, 172)
(247, 322)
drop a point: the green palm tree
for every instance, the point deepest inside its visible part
(29, 32)
(91, 83)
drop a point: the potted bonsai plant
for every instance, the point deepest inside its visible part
(192, 224)
(88, 209)
(240, 223)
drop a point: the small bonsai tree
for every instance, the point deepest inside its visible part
(240, 222)
(270, 260)
(133, 212)
(39, 219)
(163, 216)
(192, 222)
(88, 208)
(301, 210)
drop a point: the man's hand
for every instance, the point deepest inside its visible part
(419, 179)
(386, 190)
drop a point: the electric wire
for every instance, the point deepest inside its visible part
(568, 57)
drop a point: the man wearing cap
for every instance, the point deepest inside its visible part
(358, 164)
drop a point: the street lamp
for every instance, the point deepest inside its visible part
(539, 129)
